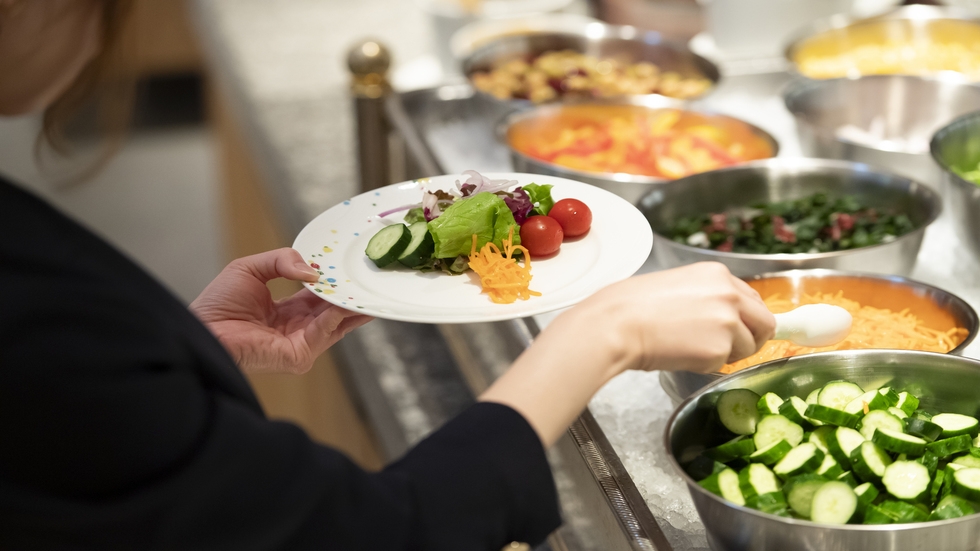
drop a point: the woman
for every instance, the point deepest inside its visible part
(125, 421)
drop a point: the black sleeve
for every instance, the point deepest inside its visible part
(219, 476)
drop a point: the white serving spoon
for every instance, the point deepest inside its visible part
(814, 325)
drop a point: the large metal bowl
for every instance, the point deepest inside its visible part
(596, 39)
(628, 186)
(915, 24)
(784, 179)
(937, 308)
(946, 383)
(904, 111)
(958, 145)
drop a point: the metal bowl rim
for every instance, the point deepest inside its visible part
(693, 486)
(912, 12)
(797, 88)
(652, 103)
(609, 31)
(806, 164)
(962, 120)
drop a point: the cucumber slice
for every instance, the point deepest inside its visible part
(927, 430)
(866, 493)
(793, 409)
(812, 399)
(950, 446)
(843, 443)
(919, 414)
(952, 507)
(831, 416)
(739, 447)
(386, 245)
(898, 413)
(769, 404)
(833, 503)
(947, 487)
(869, 401)
(799, 493)
(976, 442)
(757, 479)
(702, 467)
(820, 436)
(729, 486)
(899, 442)
(813, 396)
(880, 419)
(907, 403)
(902, 513)
(890, 395)
(954, 424)
(773, 503)
(967, 461)
(802, 459)
(737, 411)
(774, 428)
(711, 483)
(874, 515)
(869, 462)
(829, 468)
(772, 453)
(906, 480)
(847, 477)
(937, 485)
(420, 248)
(930, 461)
(837, 394)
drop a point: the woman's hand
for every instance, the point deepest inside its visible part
(694, 318)
(265, 335)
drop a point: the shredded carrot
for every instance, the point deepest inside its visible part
(871, 328)
(501, 275)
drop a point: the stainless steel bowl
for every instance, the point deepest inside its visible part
(784, 179)
(958, 145)
(899, 113)
(918, 23)
(946, 383)
(934, 306)
(628, 186)
(599, 40)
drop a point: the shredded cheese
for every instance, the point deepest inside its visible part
(871, 328)
(501, 275)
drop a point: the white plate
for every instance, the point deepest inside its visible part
(617, 245)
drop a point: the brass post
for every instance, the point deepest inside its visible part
(368, 63)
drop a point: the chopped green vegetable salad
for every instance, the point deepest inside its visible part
(844, 455)
(814, 224)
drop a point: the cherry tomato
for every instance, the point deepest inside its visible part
(541, 235)
(573, 215)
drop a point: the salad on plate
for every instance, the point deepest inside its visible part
(492, 227)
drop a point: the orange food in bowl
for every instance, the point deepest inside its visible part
(632, 139)
(886, 315)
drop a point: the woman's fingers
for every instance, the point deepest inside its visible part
(285, 262)
(755, 314)
(330, 326)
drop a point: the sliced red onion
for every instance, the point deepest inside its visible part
(399, 209)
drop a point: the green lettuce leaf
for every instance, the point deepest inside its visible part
(414, 215)
(540, 198)
(483, 214)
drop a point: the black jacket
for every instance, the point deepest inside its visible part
(124, 424)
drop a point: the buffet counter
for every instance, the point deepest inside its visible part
(280, 65)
